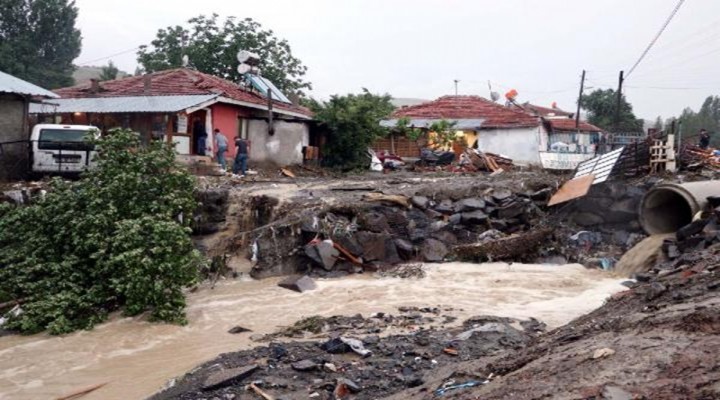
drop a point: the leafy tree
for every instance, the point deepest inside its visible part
(39, 41)
(708, 117)
(212, 47)
(601, 106)
(109, 72)
(353, 121)
(117, 239)
(444, 133)
(658, 125)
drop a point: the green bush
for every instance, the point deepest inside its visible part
(353, 122)
(117, 239)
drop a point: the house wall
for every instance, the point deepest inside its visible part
(519, 144)
(13, 127)
(225, 118)
(282, 148)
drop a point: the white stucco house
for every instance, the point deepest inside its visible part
(484, 124)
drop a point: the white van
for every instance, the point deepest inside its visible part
(61, 149)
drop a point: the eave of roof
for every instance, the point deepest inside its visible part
(128, 104)
(14, 85)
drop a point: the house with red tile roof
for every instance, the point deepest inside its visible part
(482, 123)
(184, 106)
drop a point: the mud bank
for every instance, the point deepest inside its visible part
(138, 358)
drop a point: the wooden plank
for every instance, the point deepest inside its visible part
(572, 189)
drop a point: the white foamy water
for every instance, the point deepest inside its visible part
(137, 358)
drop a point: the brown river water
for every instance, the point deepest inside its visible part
(137, 358)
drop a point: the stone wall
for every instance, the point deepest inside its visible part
(13, 127)
(609, 206)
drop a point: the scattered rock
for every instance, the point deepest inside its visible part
(298, 283)
(304, 365)
(466, 205)
(238, 329)
(616, 393)
(420, 202)
(655, 290)
(604, 352)
(474, 217)
(328, 254)
(228, 376)
(433, 250)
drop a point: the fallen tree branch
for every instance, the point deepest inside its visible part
(82, 392)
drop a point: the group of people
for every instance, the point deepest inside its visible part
(242, 148)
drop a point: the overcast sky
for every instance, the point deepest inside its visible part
(416, 48)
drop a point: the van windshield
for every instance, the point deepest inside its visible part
(64, 139)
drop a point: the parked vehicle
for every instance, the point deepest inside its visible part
(61, 149)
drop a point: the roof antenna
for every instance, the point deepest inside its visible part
(494, 96)
(185, 60)
(456, 90)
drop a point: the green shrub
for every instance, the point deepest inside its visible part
(117, 239)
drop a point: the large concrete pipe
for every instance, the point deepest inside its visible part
(670, 206)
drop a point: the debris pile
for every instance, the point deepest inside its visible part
(694, 158)
(483, 161)
(385, 230)
(346, 365)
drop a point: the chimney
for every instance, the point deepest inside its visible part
(147, 84)
(94, 86)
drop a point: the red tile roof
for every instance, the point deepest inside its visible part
(545, 111)
(464, 107)
(180, 81)
(568, 124)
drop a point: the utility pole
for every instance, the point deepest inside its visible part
(577, 114)
(679, 140)
(456, 82)
(619, 101)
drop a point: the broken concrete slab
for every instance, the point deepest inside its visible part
(226, 377)
(298, 283)
(328, 254)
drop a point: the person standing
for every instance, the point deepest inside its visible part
(704, 139)
(241, 155)
(221, 144)
(200, 137)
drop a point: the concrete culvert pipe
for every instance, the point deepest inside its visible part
(670, 206)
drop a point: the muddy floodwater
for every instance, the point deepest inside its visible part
(137, 358)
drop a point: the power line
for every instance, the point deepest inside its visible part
(657, 36)
(110, 56)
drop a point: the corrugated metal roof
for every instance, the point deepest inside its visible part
(130, 104)
(460, 123)
(11, 84)
(600, 166)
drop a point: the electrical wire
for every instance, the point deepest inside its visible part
(655, 39)
(110, 56)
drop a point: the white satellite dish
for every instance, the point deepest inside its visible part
(495, 96)
(248, 57)
(243, 69)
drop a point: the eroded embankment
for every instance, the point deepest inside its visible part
(138, 358)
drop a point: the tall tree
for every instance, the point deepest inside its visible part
(39, 41)
(658, 124)
(708, 117)
(601, 107)
(212, 47)
(354, 124)
(109, 72)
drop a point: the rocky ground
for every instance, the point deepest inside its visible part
(351, 357)
(658, 340)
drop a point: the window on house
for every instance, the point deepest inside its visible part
(242, 128)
